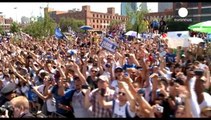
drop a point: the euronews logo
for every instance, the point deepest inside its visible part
(183, 13)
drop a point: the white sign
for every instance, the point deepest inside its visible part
(178, 38)
(109, 45)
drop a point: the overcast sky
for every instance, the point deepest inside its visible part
(33, 9)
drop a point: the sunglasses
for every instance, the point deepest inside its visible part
(121, 93)
(93, 71)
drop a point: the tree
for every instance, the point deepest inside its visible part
(70, 22)
(136, 19)
(114, 24)
(15, 28)
(1, 30)
(43, 27)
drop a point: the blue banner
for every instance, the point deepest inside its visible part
(109, 45)
(58, 33)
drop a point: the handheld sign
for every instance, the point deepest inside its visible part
(109, 45)
(178, 38)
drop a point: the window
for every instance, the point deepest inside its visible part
(93, 26)
(93, 21)
(93, 15)
(193, 4)
(205, 18)
(97, 26)
(97, 21)
(100, 21)
(206, 3)
(206, 10)
(192, 11)
(100, 26)
(104, 16)
(97, 15)
(100, 16)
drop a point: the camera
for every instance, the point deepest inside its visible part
(102, 92)
(7, 107)
(127, 55)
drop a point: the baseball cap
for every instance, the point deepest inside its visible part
(103, 78)
(118, 69)
(8, 89)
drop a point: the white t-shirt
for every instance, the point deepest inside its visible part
(195, 109)
(5, 82)
(50, 104)
(206, 102)
(114, 84)
(120, 111)
(78, 105)
(148, 91)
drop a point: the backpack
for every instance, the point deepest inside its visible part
(126, 110)
(155, 24)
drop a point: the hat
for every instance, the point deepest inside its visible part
(8, 89)
(118, 69)
(103, 78)
(154, 75)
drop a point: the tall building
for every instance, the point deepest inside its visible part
(25, 20)
(163, 6)
(128, 5)
(144, 6)
(197, 11)
(97, 20)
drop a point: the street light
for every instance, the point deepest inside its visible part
(16, 13)
(41, 11)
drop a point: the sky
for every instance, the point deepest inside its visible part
(35, 9)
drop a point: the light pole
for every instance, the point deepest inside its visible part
(16, 13)
(41, 11)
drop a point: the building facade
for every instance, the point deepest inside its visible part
(97, 20)
(128, 5)
(158, 15)
(197, 11)
(163, 6)
(5, 23)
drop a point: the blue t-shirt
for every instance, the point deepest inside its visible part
(58, 98)
(170, 57)
(125, 66)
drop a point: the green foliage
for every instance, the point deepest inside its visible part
(70, 22)
(135, 19)
(14, 28)
(114, 24)
(41, 28)
(1, 30)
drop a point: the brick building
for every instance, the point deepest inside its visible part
(97, 20)
(197, 11)
(5, 23)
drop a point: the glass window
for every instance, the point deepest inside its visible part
(206, 10)
(93, 15)
(192, 11)
(193, 4)
(206, 3)
(205, 18)
(93, 26)
(93, 21)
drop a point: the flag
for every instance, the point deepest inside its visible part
(59, 34)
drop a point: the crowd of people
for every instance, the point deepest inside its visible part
(78, 78)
